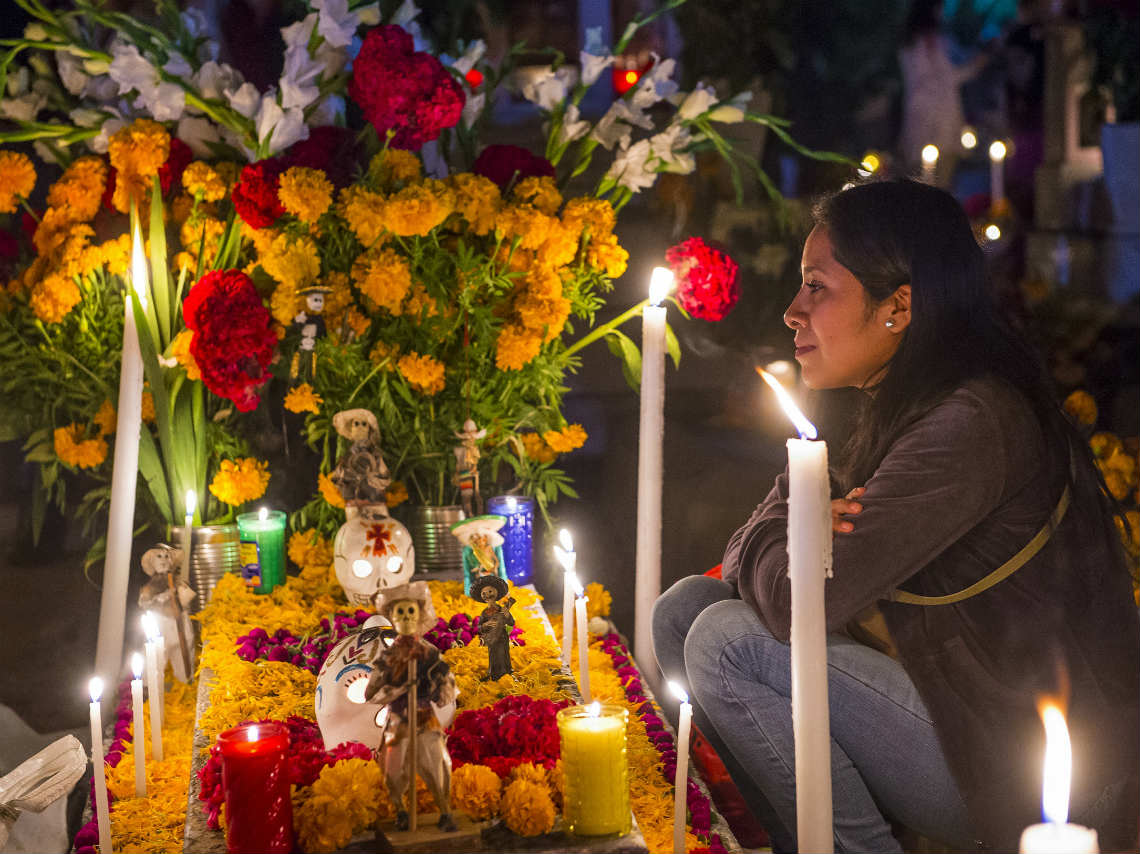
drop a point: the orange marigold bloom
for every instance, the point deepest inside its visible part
(53, 297)
(1082, 407)
(540, 191)
(477, 200)
(147, 404)
(536, 449)
(595, 217)
(241, 480)
(396, 494)
(76, 450)
(527, 808)
(515, 346)
(418, 208)
(116, 254)
(361, 209)
(383, 277)
(302, 398)
(394, 166)
(80, 189)
(423, 373)
(137, 151)
(524, 223)
(305, 193)
(106, 419)
(329, 491)
(180, 350)
(203, 181)
(476, 791)
(17, 179)
(606, 255)
(569, 438)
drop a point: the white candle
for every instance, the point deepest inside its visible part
(649, 465)
(583, 641)
(139, 737)
(102, 812)
(1056, 836)
(997, 171)
(152, 687)
(809, 563)
(929, 163)
(187, 534)
(124, 476)
(681, 778)
(569, 559)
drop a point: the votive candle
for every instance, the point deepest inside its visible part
(263, 548)
(583, 643)
(569, 560)
(255, 779)
(139, 725)
(595, 771)
(102, 809)
(681, 777)
(518, 535)
(152, 687)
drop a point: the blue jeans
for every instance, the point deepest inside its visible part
(885, 757)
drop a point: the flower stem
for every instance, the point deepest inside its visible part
(606, 328)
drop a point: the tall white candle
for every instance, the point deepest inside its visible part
(583, 642)
(681, 778)
(997, 171)
(569, 559)
(139, 725)
(187, 533)
(1056, 835)
(124, 476)
(809, 563)
(929, 163)
(152, 687)
(649, 466)
(102, 811)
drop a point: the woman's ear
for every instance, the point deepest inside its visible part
(898, 318)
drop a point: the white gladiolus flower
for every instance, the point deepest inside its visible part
(472, 108)
(472, 55)
(300, 79)
(656, 84)
(167, 103)
(131, 70)
(100, 143)
(407, 13)
(101, 89)
(614, 127)
(572, 128)
(334, 59)
(697, 102)
(45, 153)
(549, 88)
(70, 72)
(85, 118)
(24, 108)
(727, 114)
(337, 24)
(298, 34)
(197, 133)
(434, 164)
(591, 58)
(178, 66)
(245, 99)
(281, 128)
(629, 167)
(213, 79)
(668, 147)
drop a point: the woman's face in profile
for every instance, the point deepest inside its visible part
(840, 340)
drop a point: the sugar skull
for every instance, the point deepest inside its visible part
(342, 713)
(371, 552)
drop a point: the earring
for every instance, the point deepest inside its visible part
(890, 324)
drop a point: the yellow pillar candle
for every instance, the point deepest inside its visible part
(595, 772)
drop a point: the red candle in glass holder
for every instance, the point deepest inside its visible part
(255, 778)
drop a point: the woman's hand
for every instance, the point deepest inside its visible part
(841, 507)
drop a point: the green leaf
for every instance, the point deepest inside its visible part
(622, 346)
(44, 452)
(672, 346)
(159, 269)
(150, 467)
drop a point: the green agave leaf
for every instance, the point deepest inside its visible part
(159, 268)
(622, 346)
(150, 467)
(672, 346)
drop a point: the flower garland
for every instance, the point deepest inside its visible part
(504, 741)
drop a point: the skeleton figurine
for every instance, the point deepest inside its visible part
(410, 610)
(307, 327)
(482, 548)
(467, 467)
(495, 623)
(360, 475)
(162, 565)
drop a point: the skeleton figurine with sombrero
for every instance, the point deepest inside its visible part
(307, 327)
(495, 623)
(482, 548)
(467, 467)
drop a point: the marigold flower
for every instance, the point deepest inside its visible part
(396, 494)
(80, 189)
(106, 419)
(116, 254)
(302, 398)
(477, 200)
(476, 791)
(137, 152)
(1081, 406)
(532, 773)
(241, 480)
(569, 438)
(535, 448)
(53, 297)
(540, 191)
(598, 601)
(203, 182)
(515, 346)
(305, 193)
(393, 167)
(284, 303)
(361, 209)
(75, 449)
(329, 491)
(343, 799)
(17, 179)
(561, 245)
(385, 355)
(593, 218)
(417, 209)
(146, 405)
(527, 808)
(180, 350)
(203, 231)
(609, 257)
(524, 223)
(356, 321)
(423, 373)
(292, 261)
(383, 277)
(309, 548)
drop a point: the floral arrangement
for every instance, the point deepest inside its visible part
(454, 275)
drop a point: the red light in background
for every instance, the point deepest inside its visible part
(625, 79)
(475, 78)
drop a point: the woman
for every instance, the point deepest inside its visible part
(959, 458)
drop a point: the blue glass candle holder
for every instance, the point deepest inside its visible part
(518, 537)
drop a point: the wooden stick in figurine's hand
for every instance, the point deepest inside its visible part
(183, 647)
(413, 725)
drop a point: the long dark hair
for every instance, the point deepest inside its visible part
(890, 233)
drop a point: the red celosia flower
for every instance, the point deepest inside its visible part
(514, 730)
(403, 91)
(233, 339)
(176, 162)
(707, 285)
(255, 194)
(506, 163)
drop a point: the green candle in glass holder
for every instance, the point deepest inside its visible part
(262, 549)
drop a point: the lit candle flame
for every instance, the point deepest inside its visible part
(512, 504)
(804, 427)
(594, 710)
(253, 734)
(566, 540)
(263, 514)
(660, 283)
(997, 150)
(870, 164)
(137, 665)
(969, 138)
(930, 154)
(95, 686)
(993, 233)
(149, 625)
(678, 691)
(191, 503)
(138, 266)
(1058, 764)
(575, 584)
